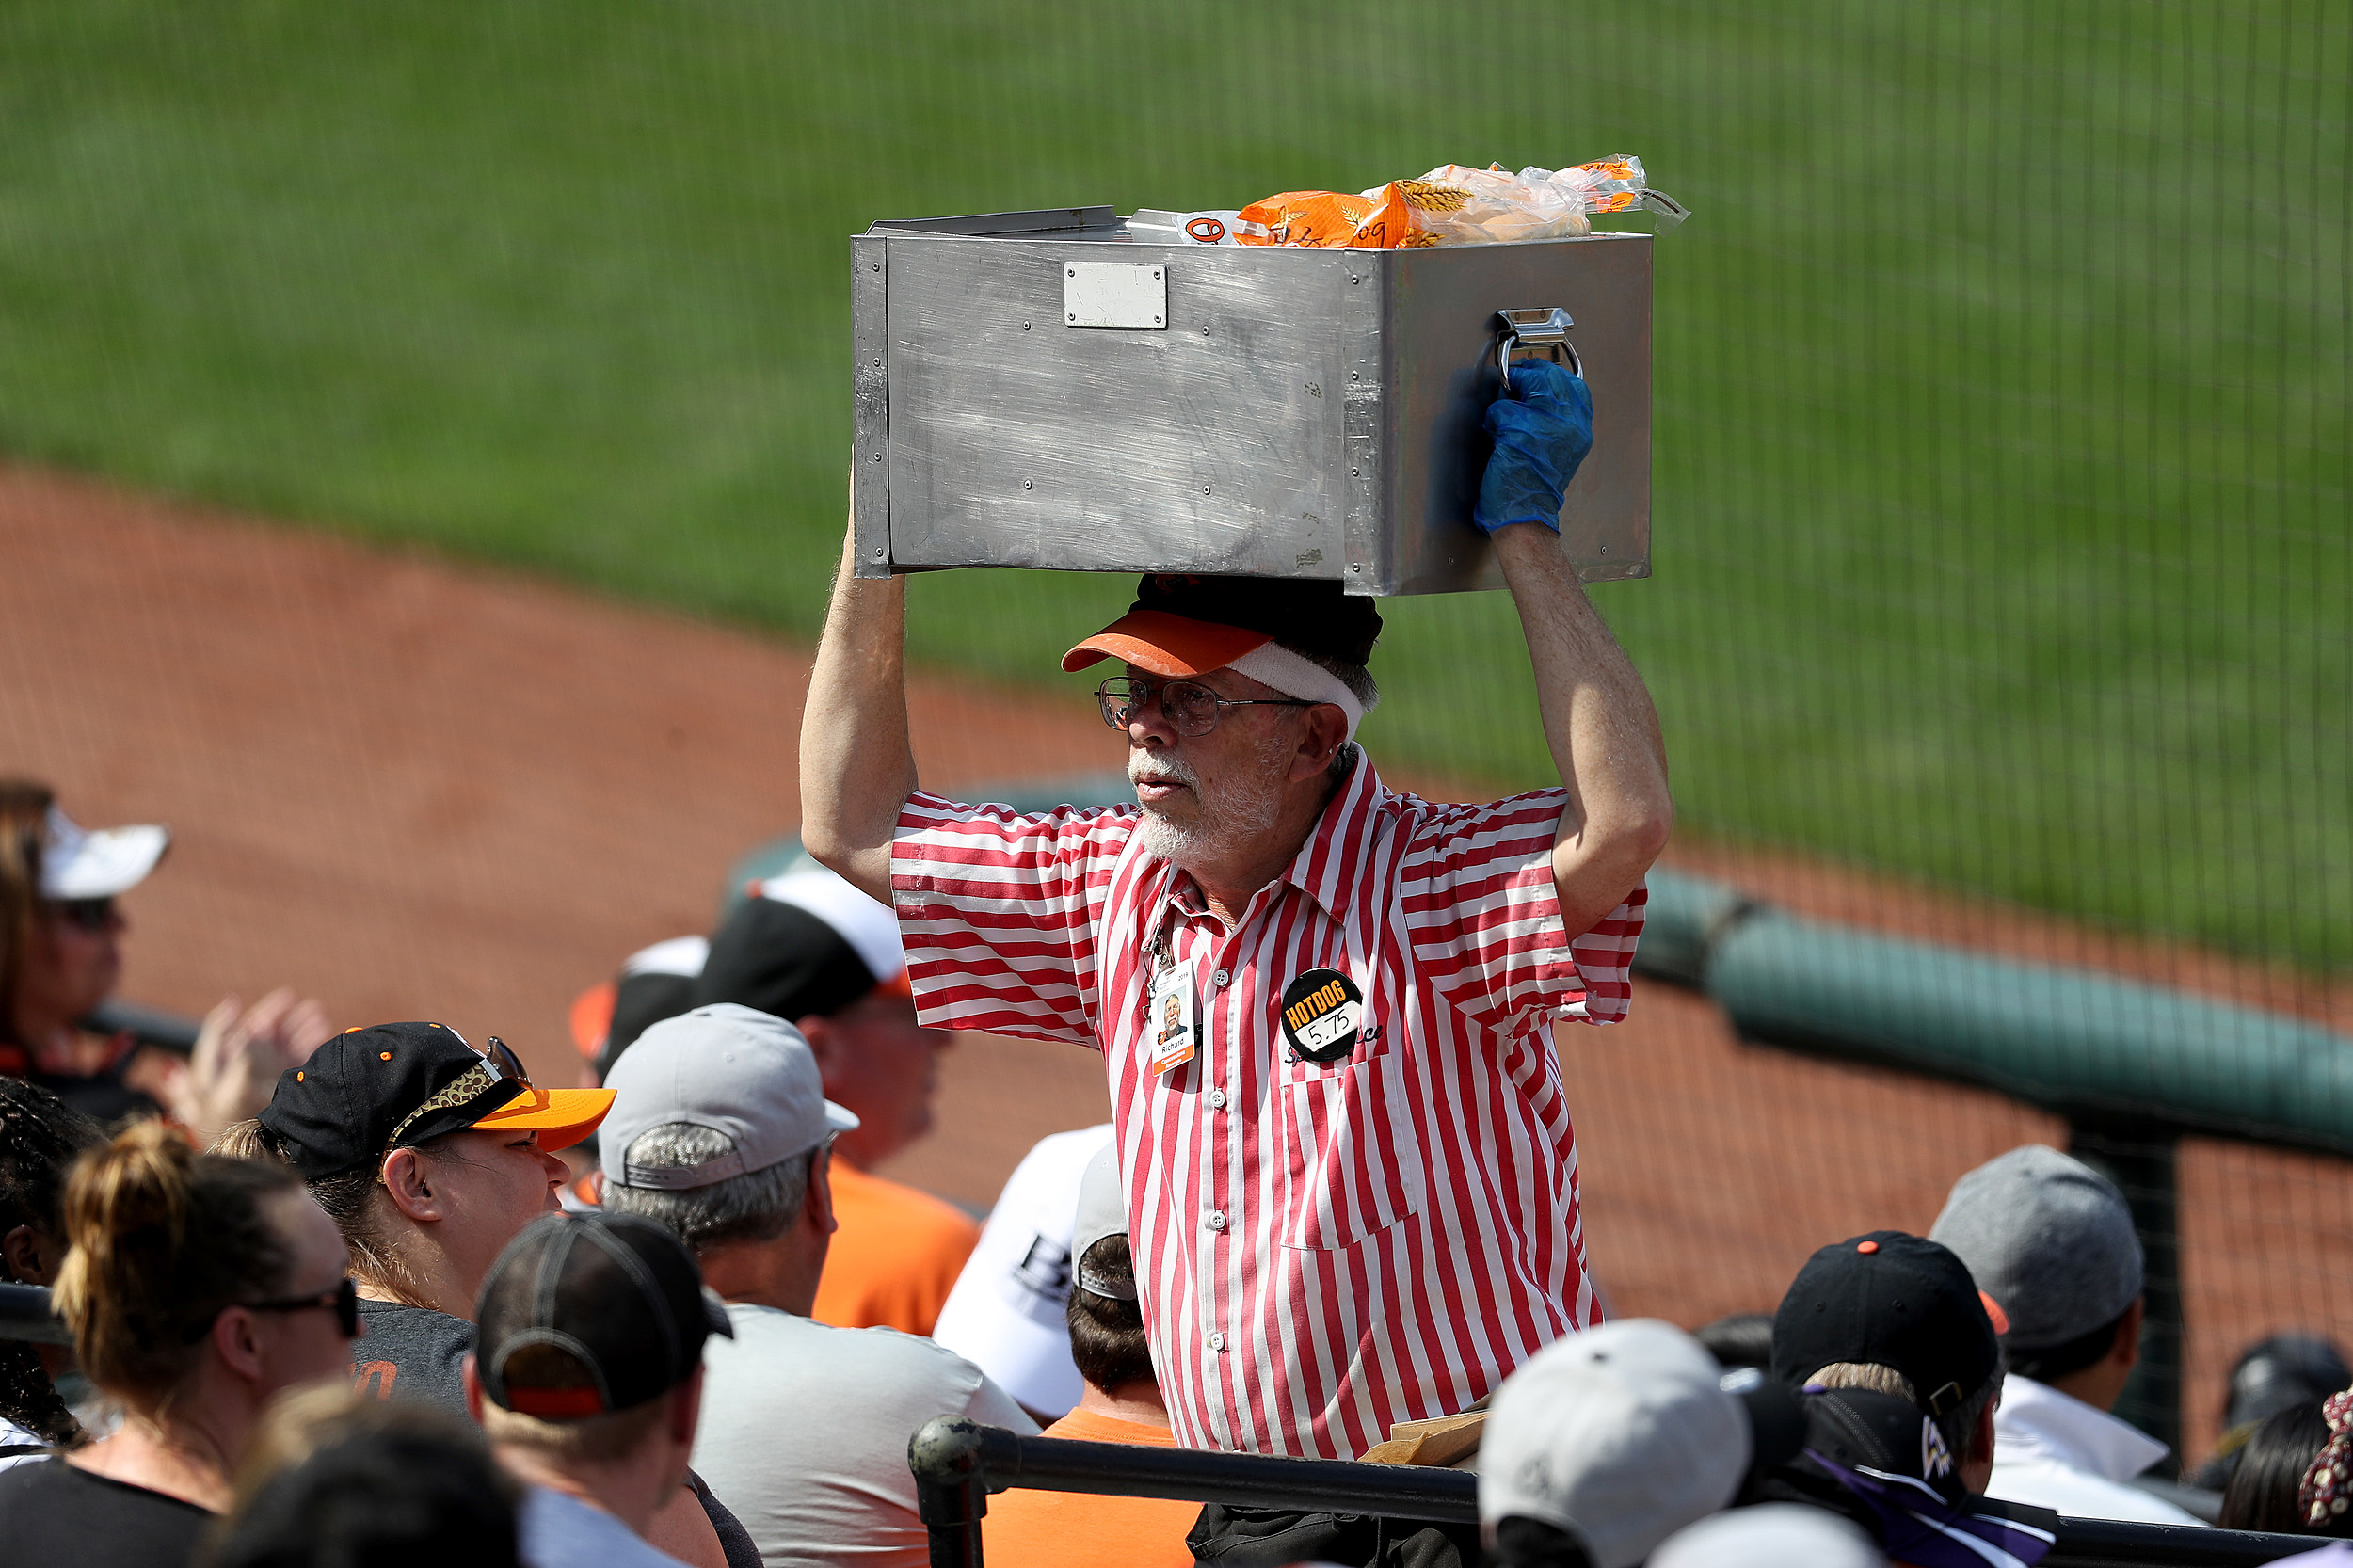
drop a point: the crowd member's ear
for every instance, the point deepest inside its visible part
(236, 1343)
(1982, 1440)
(2125, 1352)
(824, 1044)
(1322, 730)
(471, 1378)
(686, 1406)
(31, 1257)
(817, 1208)
(409, 1180)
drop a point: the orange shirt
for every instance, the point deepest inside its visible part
(895, 1256)
(1079, 1529)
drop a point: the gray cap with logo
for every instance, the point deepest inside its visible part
(2048, 1238)
(735, 1070)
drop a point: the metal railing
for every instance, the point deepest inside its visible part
(957, 1463)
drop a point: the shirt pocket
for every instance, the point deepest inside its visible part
(1352, 1163)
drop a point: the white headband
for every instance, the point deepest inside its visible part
(1273, 664)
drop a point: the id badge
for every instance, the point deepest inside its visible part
(1174, 1018)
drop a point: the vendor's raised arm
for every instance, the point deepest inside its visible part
(857, 766)
(1598, 720)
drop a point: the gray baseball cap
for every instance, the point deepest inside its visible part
(1620, 1435)
(2048, 1238)
(728, 1067)
(1103, 1211)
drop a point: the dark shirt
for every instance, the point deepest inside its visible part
(57, 1513)
(413, 1352)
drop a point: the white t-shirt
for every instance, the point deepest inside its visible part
(559, 1532)
(805, 1429)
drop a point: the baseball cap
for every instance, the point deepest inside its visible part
(2049, 1238)
(1102, 1213)
(1006, 1313)
(1183, 625)
(587, 1314)
(1890, 1300)
(733, 1069)
(1620, 1436)
(78, 862)
(369, 1091)
(655, 983)
(1770, 1535)
(804, 942)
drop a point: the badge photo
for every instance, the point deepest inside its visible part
(1323, 1014)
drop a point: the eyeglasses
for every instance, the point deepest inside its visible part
(93, 914)
(1190, 707)
(344, 1300)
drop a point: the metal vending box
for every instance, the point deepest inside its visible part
(1061, 390)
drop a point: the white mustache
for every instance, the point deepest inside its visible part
(1164, 771)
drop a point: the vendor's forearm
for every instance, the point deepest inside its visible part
(1600, 725)
(857, 766)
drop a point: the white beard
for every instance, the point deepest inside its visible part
(1239, 810)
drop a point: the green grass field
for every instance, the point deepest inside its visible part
(2001, 516)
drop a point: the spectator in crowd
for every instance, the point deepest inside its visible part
(2052, 1241)
(334, 1479)
(1271, 940)
(1121, 1405)
(61, 954)
(1770, 1535)
(1605, 1444)
(2273, 1461)
(1009, 1313)
(1900, 1357)
(41, 1137)
(721, 1132)
(809, 948)
(590, 1382)
(197, 1289)
(432, 1157)
(2271, 1375)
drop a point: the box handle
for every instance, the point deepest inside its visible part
(1539, 326)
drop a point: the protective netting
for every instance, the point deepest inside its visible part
(2002, 430)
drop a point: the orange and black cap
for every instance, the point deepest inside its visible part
(369, 1091)
(1182, 625)
(1889, 1299)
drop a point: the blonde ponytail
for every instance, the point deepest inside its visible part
(161, 1239)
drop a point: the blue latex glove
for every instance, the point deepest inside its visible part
(1542, 428)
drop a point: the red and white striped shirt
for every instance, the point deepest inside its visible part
(1323, 1250)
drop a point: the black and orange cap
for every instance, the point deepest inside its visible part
(368, 1090)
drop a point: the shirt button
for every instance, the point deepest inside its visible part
(1222, 979)
(1217, 1340)
(1217, 1219)
(1217, 1099)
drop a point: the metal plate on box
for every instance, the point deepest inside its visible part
(1116, 294)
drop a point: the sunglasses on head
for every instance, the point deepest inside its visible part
(344, 1300)
(499, 1065)
(93, 914)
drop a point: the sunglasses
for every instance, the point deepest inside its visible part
(499, 1065)
(93, 914)
(344, 1300)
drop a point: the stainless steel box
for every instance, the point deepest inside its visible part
(1056, 390)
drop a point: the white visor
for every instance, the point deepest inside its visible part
(76, 863)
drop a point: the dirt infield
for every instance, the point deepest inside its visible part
(418, 789)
